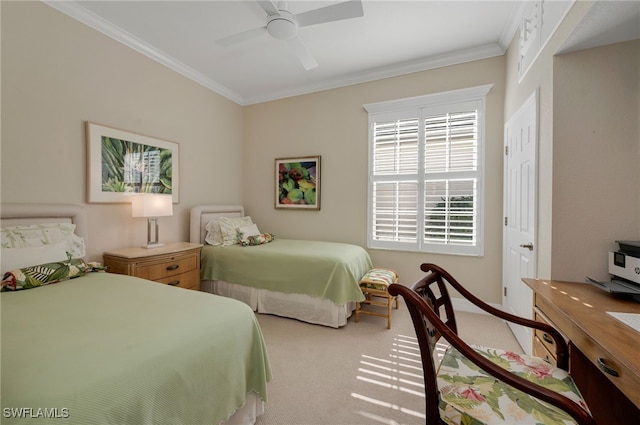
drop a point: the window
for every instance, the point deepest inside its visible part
(426, 172)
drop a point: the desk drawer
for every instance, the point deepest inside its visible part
(540, 350)
(627, 381)
(543, 341)
(543, 338)
(551, 315)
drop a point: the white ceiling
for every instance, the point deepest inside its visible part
(393, 37)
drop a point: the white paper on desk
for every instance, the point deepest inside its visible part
(629, 319)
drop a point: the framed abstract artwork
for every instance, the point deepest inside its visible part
(121, 163)
(298, 183)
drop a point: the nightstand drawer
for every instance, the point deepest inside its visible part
(171, 266)
(188, 280)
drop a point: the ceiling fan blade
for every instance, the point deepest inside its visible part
(335, 12)
(241, 36)
(303, 53)
(270, 7)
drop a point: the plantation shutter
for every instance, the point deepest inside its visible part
(425, 173)
(395, 186)
(451, 164)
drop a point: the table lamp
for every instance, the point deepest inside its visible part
(152, 206)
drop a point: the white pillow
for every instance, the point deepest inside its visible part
(228, 226)
(43, 234)
(213, 237)
(18, 258)
(244, 232)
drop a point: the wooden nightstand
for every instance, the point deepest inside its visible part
(176, 264)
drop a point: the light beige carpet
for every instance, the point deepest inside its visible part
(362, 373)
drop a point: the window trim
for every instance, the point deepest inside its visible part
(402, 107)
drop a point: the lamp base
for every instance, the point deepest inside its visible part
(153, 245)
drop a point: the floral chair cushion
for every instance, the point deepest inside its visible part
(470, 396)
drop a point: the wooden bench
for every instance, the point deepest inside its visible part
(374, 285)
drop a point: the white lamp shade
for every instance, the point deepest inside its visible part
(151, 205)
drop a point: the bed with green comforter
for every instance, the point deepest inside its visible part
(114, 349)
(312, 281)
(326, 270)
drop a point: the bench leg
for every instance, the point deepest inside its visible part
(389, 304)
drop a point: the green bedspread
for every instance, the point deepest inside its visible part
(113, 349)
(320, 269)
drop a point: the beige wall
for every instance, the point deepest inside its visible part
(596, 157)
(58, 73)
(333, 124)
(540, 77)
(582, 207)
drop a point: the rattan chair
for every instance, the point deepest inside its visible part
(480, 385)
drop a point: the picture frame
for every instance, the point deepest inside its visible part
(297, 184)
(121, 163)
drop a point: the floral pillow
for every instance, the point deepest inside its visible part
(250, 235)
(46, 274)
(258, 239)
(43, 234)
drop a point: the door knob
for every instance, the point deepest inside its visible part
(529, 246)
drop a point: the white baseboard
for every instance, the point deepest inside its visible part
(461, 304)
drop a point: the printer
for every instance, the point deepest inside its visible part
(625, 263)
(624, 266)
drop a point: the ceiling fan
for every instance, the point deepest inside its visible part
(283, 25)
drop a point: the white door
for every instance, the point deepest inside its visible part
(520, 207)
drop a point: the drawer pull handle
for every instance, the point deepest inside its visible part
(547, 339)
(174, 283)
(173, 267)
(608, 369)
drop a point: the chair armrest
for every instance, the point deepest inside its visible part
(573, 409)
(562, 350)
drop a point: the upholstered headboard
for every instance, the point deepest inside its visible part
(21, 214)
(203, 214)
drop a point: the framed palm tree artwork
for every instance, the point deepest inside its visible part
(121, 163)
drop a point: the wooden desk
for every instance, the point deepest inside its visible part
(578, 310)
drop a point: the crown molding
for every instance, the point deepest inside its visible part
(409, 67)
(79, 13)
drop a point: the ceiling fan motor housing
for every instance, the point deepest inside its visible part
(282, 27)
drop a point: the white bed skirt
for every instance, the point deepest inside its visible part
(296, 306)
(247, 414)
